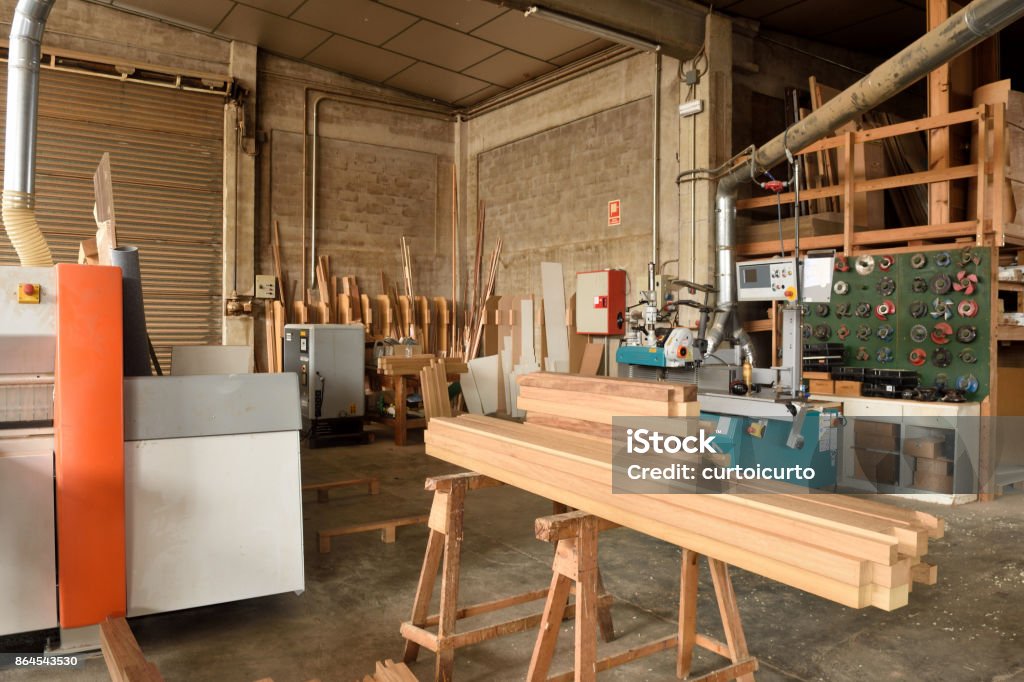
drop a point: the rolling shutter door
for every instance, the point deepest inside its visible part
(166, 154)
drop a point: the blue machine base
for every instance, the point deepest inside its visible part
(640, 355)
(770, 450)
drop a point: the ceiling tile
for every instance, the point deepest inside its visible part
(204, 14)
(435, 82)
(581, 52)
(363, 20)
(441, 46)
(282, 7)
(755, 9)
(480, 95)
(271, 32)
(508, 69)
(462, 15)
(358, 59)
(536, 37)
(816, 17)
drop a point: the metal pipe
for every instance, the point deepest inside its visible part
(24, 56)
(959, 33)
(312, 200)
(656, 160)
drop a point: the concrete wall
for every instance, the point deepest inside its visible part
(383, 172)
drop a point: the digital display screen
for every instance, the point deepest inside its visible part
(750, 275)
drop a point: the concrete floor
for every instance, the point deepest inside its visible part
(968, 627)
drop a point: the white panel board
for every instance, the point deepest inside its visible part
(554, 317)
(212, 519)
(28, 568)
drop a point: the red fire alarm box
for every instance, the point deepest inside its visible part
(601, 302)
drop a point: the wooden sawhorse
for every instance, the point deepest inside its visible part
(576, 562)
(444, 553)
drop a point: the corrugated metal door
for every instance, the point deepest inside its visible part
(166, 161)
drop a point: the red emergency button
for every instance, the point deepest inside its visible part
(28, 293)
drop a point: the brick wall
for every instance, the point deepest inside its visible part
(547, 196)
(382, 173)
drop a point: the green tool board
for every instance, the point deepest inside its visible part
(865, 289)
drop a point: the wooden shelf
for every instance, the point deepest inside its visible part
(1011, 286)
(1009, 332)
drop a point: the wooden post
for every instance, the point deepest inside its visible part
(848, 195)
(687, 613)
(938, 138)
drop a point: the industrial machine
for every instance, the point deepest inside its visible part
(132, 495)
(329, 360)
(760, 414)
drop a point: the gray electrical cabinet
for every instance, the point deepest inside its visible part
(330, 362)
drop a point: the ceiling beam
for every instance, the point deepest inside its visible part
(676, 25)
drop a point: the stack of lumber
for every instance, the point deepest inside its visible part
(410, 365)
(852, 551)
(589, 404)
(389, 671)
(434, 389)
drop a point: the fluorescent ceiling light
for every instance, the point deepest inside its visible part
(595, 29)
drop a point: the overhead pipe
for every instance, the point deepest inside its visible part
(19, 210)
(962, 31)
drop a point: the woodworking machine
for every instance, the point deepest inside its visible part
(760, 414)
(132, 495)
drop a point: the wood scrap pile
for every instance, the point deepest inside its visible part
(588, 404)
(852, 551)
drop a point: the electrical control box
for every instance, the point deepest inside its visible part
(601, 302)
(774, 279)
(330, 360)
(768, 279)
(266, 287)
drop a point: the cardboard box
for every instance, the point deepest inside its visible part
(934, 482)
(925, 446)
(874, 466)
(866, 427)
(848, 388)
(821, 386)
(810, 376)
(876, 441)
(934, 467)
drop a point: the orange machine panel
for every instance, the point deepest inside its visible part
(89, 441)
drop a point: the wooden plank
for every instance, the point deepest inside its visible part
(125, 660)
(584, 496)
(386, 526)
(593, 354)
(937, 11)
(848, 195)
(879, 595)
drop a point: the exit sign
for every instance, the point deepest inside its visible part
(614, 212)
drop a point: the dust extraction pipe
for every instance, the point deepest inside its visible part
(959, 33)
(19, 212)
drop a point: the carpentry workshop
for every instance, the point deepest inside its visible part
(488, 340)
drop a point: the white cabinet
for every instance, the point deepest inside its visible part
(958, 423)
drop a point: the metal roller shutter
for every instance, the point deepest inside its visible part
(166, 151)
